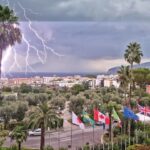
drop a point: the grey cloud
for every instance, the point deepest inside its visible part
(84, 10)
(83, 43)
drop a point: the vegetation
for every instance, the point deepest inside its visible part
(42, 116)
(19, 134)
(9, 30)
(26, 107)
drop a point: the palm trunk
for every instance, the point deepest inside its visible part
(42, 144)
(129, 105)
(110, 126)
(131, 84)
(19, 145)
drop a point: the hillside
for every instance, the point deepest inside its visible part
(115, 69)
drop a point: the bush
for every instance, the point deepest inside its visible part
(138, 147)
(62, 148)
(49, 148)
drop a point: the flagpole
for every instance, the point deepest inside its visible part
(129, 130)
(93, 136)
(144, 121)
(58, 135)
(82, 137)
(59, 138)
(71, 135)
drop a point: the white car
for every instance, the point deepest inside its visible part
(36, 132)
(143, 118)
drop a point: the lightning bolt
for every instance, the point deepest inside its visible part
(41, 54)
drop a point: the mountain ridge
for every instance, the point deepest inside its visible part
(115, 69)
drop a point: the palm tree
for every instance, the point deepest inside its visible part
(124, 77)
(133, 55)
(19, 134)
(42, 116)
(9, 30)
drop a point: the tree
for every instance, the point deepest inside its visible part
(6, 113)
(20, 111)
(124, 78)
(9, 30)
(19, 134)
(77, 88)
(76, 105)
(24, 88)
(141, 77)
(133, 55)
(42, 116)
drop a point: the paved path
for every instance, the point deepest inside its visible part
(63, 138)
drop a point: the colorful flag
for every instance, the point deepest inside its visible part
(76, 120)
(98, 116)
(107, 120)
(116, 117)
(144, 110)
(87, 119)
(128, 113)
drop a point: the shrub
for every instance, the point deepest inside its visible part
(49, 148)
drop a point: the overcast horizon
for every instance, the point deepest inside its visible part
(76, 36)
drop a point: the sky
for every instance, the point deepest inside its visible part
(78, 35)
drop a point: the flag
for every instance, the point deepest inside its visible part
(116, 117)
(107, 120)
(144, 110)
(98, 116)
(87, 119)
(76, 120)
(128, 113)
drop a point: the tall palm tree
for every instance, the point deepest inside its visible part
(9, 30)
(124, 77)
(42, 116)
(133, 54)
(19, 134)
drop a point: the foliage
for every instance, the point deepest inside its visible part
(6, 113)
(6, 89)
(77, 88)
(49, 148)
(41, 117)
(133, 53)
(76, 105)
(138, 147)
(19, 134)
(24, 88)
(9, 31)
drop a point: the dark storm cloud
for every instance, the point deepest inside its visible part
(86, 46)
(88, 40)
(83, 10)
(94, 40)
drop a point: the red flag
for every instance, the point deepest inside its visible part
(98, 116)
(107, 120)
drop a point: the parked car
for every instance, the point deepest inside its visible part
(36, 132)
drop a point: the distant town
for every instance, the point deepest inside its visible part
(66, 81)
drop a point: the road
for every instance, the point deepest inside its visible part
(63, 138)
